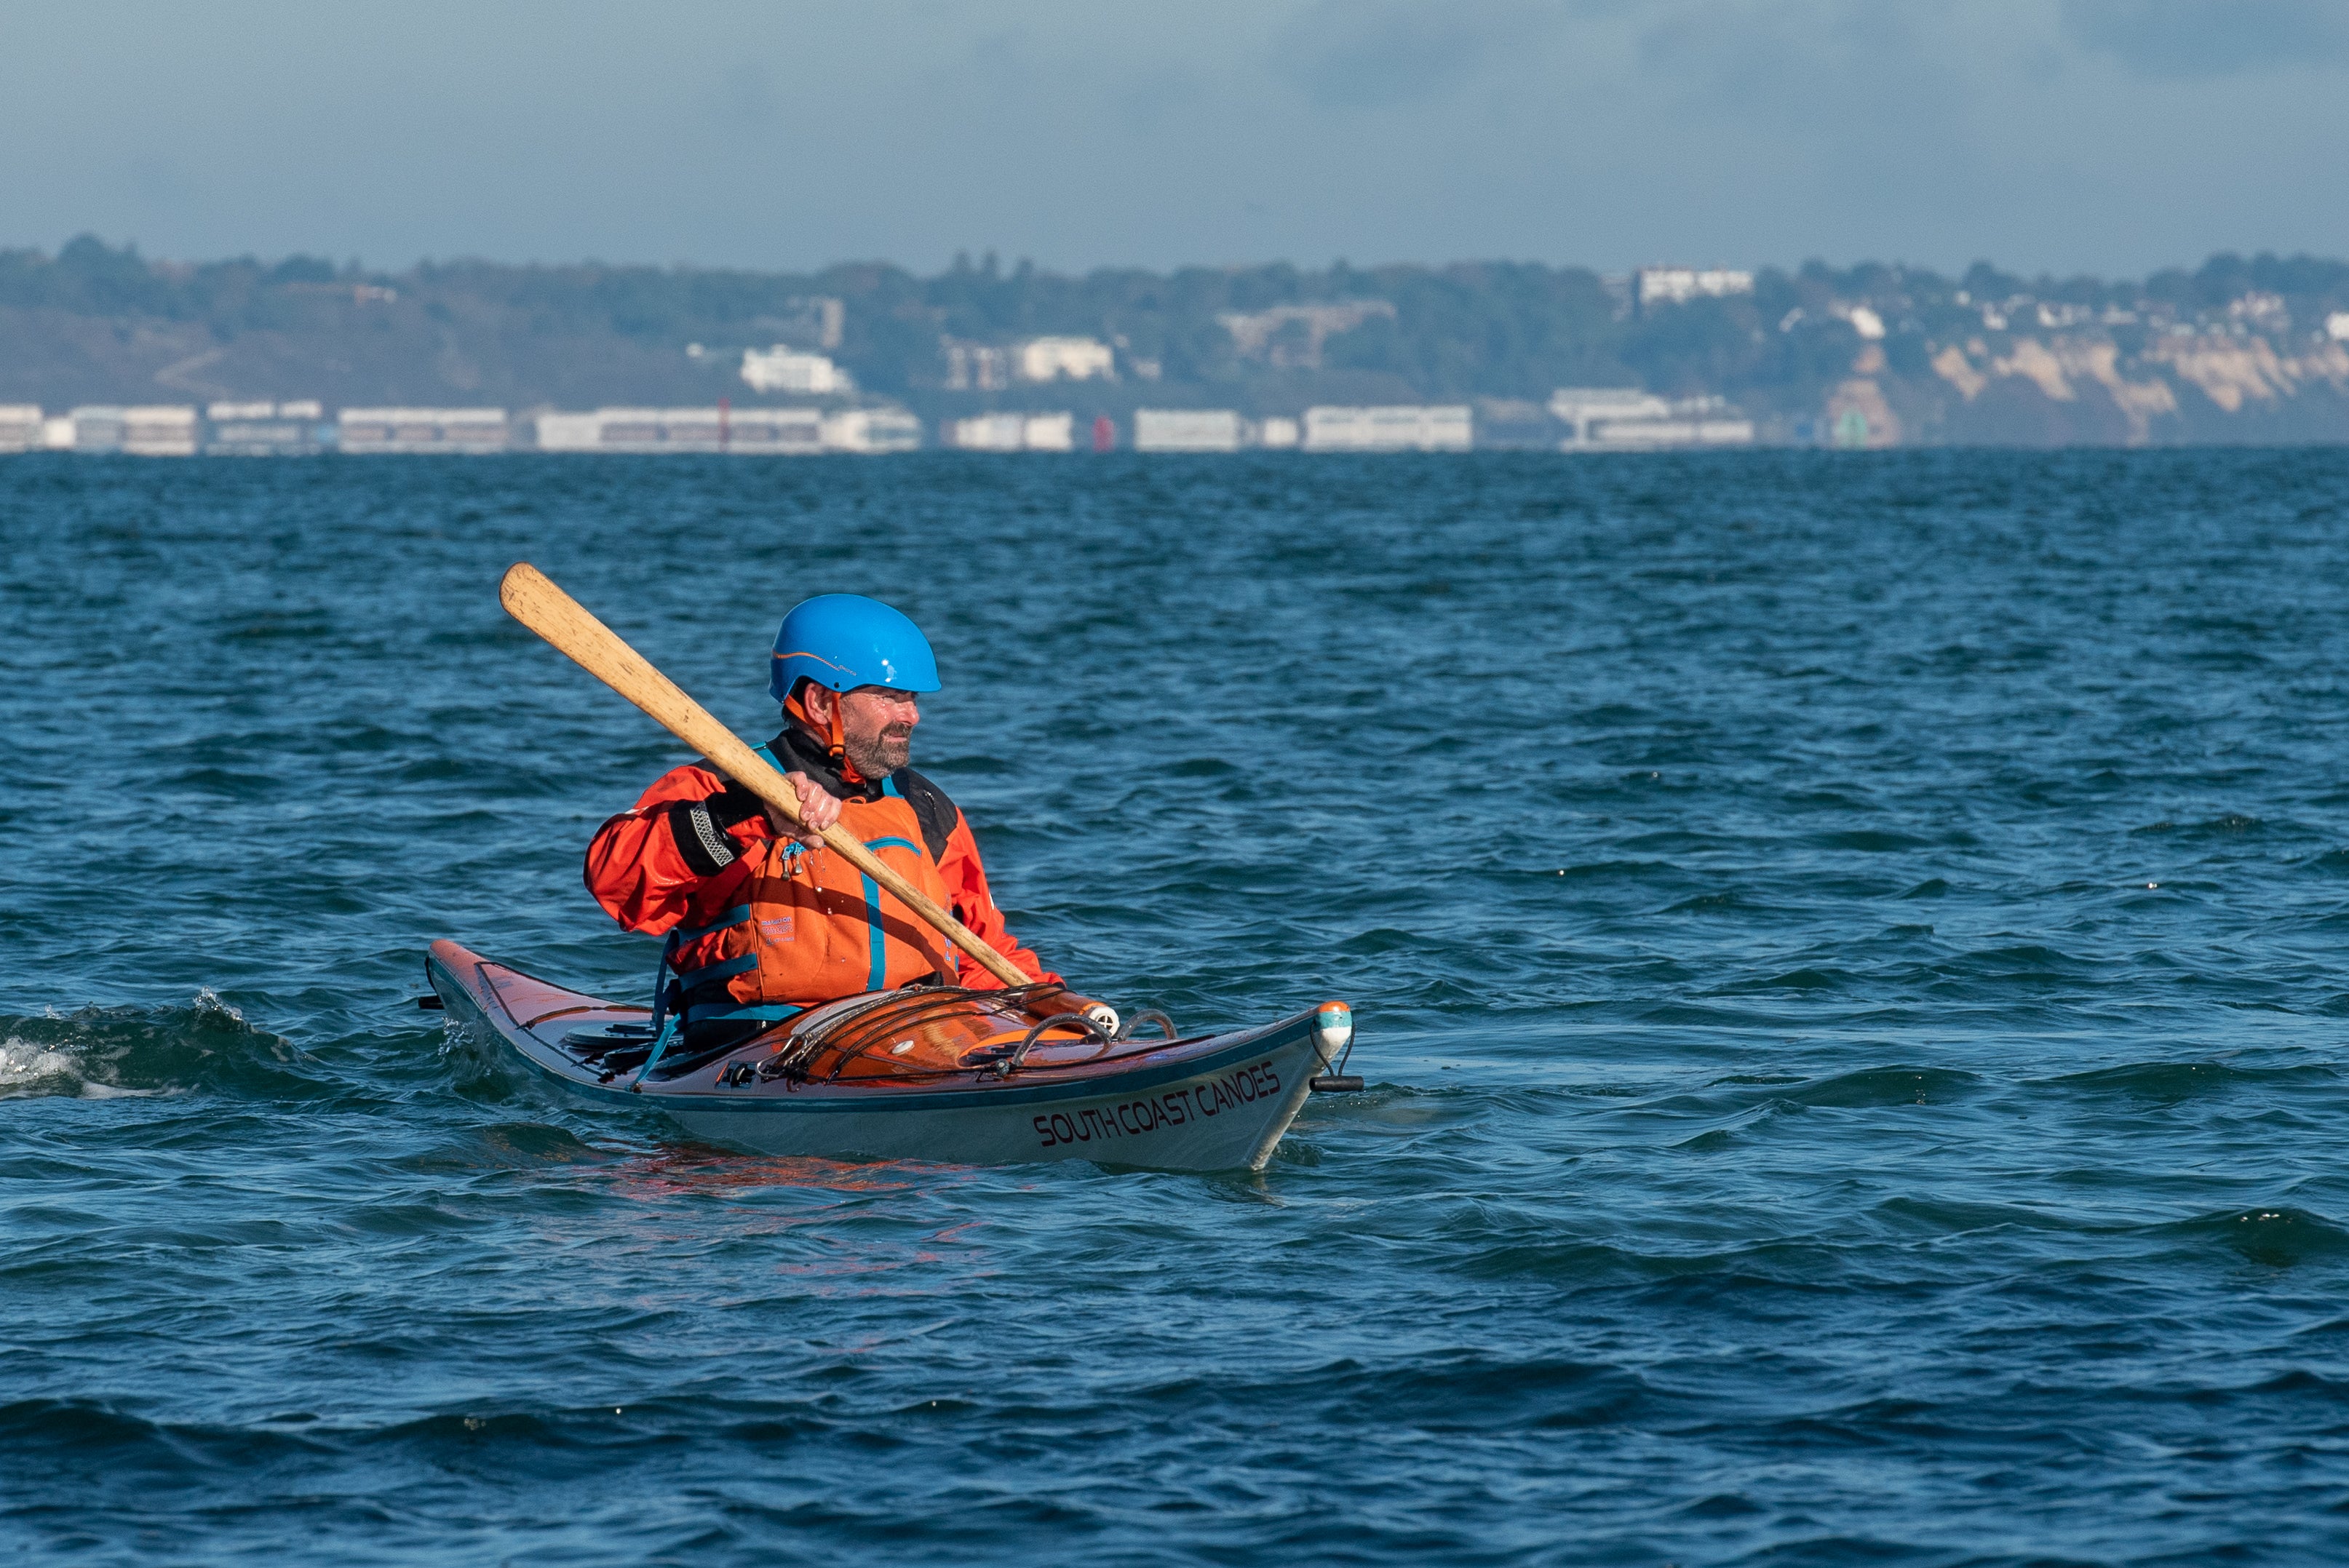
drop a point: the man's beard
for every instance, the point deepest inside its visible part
(889, 749)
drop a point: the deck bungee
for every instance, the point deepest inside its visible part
(929, 1073)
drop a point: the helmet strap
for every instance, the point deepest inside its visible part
(834, 735)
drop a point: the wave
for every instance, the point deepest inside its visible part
(2278, 1237)
(1859, 1089)
(99, 1053)
(2167, 1083)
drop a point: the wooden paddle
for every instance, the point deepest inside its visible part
(529, 597)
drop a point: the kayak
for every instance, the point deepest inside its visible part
(932, 1073)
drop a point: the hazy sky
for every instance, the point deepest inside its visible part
(2109, 136)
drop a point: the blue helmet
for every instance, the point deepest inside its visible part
(844, 641)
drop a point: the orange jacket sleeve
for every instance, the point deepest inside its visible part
(966, 881)
(676, 852)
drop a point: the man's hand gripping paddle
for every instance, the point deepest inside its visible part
(529, 597)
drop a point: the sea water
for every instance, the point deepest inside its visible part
(1848, 952)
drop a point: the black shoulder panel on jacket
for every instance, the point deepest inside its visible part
(937, 814)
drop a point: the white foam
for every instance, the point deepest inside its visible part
(92, 1089)
(35, 1071)
(207, 1000)
(23, 1063)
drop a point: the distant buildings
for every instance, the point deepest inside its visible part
(987, 433)
(992, 367)
(1012, 433)
(263, 430)
(748, 432)
(975, 366)
(738, 432)
(744, 430)
(1678, 286)
(1445, 429)
(785, 369)
(2260, 311)
(1864, 320)
(1627, 420)
(299, 427)
(467, 430)
(872, 430)
(1604, 419)
(1583, 410)
(1291, 335)
(1187, 430)
(1077, 358)
(20, 427)
(1208, 430)
(153, 430)
(97, 428)
(1050, 433)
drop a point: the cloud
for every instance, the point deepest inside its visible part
(2210, 37)
(1351, 56)
(1853, 74)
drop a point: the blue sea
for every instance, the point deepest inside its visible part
(1848, 949)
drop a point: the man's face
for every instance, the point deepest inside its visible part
(878, 728)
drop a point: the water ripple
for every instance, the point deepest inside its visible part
(1848, 951)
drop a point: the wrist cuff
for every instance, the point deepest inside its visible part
(701, 838)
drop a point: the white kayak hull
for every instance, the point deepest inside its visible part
(1218, 1102)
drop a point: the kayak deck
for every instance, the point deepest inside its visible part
(937, 1074)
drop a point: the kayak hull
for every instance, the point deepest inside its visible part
(1218, 1102)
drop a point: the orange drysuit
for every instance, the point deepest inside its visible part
(760, 928)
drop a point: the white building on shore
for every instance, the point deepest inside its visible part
(263, 430)
(872, 431)
(786, 369)
(779, 431)
(738, 432)
(1078, 358)
(744, 433)
(146, 431)
(461, 430)
(1187, 430)
(1678, 286)
(1400, 429)
(1012, 433)
(1049, 433)
(21, 426)
(1627, 420)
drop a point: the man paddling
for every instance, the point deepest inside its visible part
(762, 920)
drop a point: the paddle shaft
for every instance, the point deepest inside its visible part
(531, 598)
